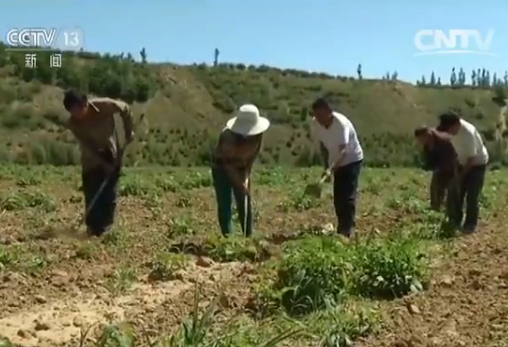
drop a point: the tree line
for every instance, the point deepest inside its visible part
(116, 76)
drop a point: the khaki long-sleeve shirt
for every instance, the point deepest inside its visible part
(97, 131)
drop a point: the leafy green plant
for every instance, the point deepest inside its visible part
(181, 226)
(236, 248)
(313, 272)
(121, 280)
(339, 326)
(21, 200)
(389, 268)
(166, 265)
(299, 202)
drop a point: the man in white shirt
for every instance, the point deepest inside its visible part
(472, 157)
(343, 156)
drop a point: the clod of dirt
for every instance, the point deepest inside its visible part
(40, 326)
(41, 299)
(476, 285)
(446, 281)
(248, 269)
(225, 301)
(436, 342)
(26, 334)
(180, 275)
(78, 322)
(474, 273)
(327, 229)
(204, 262)
(14, 277)
(412, 308)
(451, 329)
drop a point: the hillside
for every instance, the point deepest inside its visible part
(186, 107)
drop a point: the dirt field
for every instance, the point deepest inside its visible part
(164, 263)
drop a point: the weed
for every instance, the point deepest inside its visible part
(184, 201)
(22, 200)
(342, 325)
(85, 251)
(28, 181)
(167, 184)
(197, 330)
(181, 226)
(121, 280)
(166, 266)
(236, 248)
(7, 257)
(298, 202)
(319, 271)
(312, 273)
(137, 186)
(389, 268)
(114, 237)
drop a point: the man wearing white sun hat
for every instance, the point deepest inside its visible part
(237, 149)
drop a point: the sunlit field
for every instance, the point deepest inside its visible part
(164, 276)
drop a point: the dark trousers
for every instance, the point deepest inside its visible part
(345, 186)
(469, 188)
(102, 213)
(438, 187)
(224, 192)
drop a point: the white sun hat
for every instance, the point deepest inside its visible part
(248, 122)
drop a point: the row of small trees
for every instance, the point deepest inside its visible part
(116, 76)
(479, 78)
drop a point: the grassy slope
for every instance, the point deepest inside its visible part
(191, 105)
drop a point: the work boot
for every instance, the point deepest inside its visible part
(346, 233)
(468, 229)
(95, 232)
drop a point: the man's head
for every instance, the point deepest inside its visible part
(423, 135)
(75, 103)
(322, 112)
(449, 122)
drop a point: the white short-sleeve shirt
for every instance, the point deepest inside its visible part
(468, 143)
(340, 132)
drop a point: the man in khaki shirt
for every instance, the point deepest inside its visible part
(93, 124)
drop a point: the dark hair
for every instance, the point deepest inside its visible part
(448, 119)
(73, 98)
(420, 131)
(321, 104)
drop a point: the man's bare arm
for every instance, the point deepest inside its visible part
(324, 154)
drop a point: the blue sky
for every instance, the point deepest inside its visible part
(332, 36)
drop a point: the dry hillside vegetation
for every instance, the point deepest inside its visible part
(186, 106)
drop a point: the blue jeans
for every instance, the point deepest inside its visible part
(469, 188)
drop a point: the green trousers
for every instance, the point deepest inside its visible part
(224, 193)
